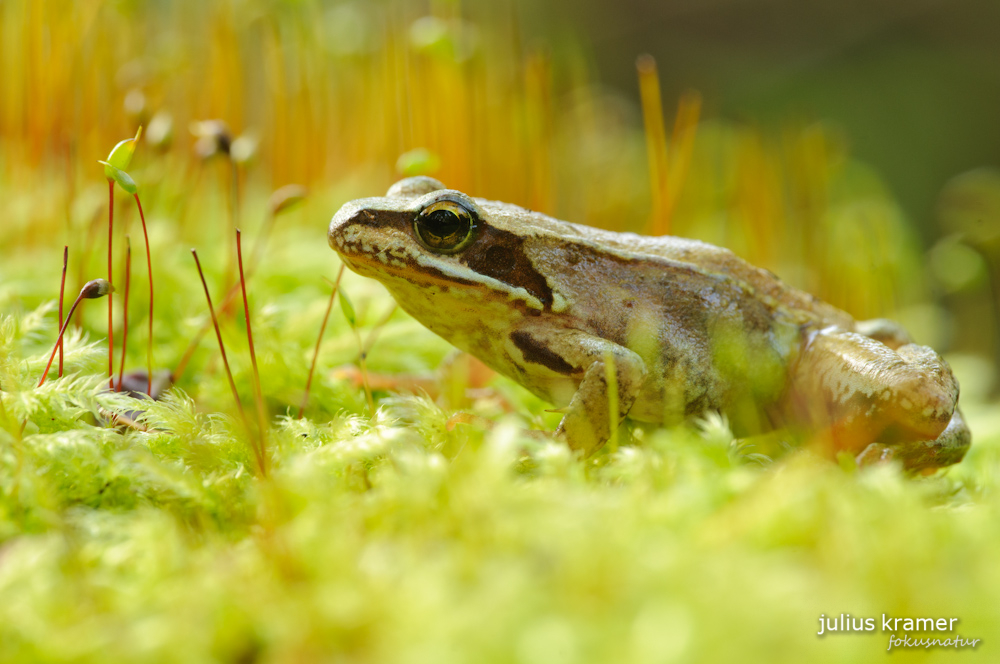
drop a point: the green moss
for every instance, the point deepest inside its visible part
(410, 535)
(402, 539)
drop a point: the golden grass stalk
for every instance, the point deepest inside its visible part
(319, 340)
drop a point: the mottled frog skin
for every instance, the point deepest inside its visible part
(675, 327)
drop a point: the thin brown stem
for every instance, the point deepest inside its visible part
(258, 393)
(261, 242)
(62, 294)
(224, 308)
(225, 359)
(319, 339)
(91, 290)
(189, 352)
(234, 215)
(111, 309)
(235, 183)
(62, 331)
(363, 365)
(149, 269)
(226, 305)
(128, 278)
(377, 329)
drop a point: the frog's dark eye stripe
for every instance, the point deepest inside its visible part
(445, 226)
(500, 255)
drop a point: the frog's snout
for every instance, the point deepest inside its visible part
(367, 226)
(346, 234)
(338, 225)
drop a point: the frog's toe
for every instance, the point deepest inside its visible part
(923, 393)
(874, 454)
(947, 449)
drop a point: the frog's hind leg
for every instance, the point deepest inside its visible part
(862, 391)
(948, 448)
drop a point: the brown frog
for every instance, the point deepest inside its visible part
(606, 325)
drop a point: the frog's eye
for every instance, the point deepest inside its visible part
(445, 226)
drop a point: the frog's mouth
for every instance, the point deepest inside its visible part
(385, 266)
(367, 256)
(346, 259)
(361, 264)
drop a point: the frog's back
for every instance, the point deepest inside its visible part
(666, 253)
(763, 283)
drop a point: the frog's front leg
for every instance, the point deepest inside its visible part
(561, 356)
(865, 392)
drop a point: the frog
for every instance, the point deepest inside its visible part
(664, 330)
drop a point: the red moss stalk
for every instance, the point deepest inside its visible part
(90, 291)
(225, 360)
(149, 269)
(258, 393)
(62, 295)
(111, 309)
(128, 279)
(319, 339)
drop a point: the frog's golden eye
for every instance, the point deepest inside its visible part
(445, 226)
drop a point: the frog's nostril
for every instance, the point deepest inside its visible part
(342, 220)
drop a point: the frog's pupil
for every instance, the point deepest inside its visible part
(443, 223)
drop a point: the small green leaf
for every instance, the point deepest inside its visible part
(419, 161)
(123, 179)
(347, 308)
(121, 154)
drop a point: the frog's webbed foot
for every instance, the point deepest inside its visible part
(862, 391)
